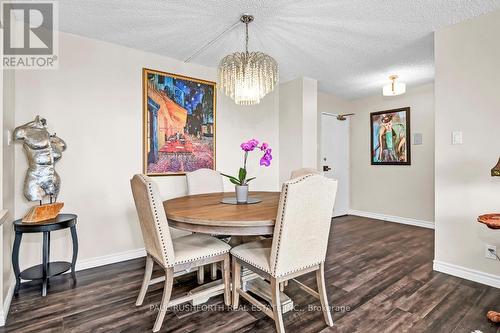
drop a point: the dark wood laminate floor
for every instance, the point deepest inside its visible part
(379, 279)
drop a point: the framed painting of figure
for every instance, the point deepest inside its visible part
(179, 115)
(390, 137)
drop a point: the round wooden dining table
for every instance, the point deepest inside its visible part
(205, 213)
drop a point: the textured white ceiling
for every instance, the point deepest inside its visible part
(349, 46)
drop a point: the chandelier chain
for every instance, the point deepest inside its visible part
(246, 41)
(212, 41)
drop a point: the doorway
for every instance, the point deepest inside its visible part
(335, 157)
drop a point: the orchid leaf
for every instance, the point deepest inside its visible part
(231, 178)
(249, 179)
(242, 175)
(235, 182)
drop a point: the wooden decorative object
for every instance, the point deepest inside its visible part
(43, 212)
(495, 172)
(492, 221)
(493, 316)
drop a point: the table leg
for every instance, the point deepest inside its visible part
(238, 240)
(48, 257)
(75, 252)
(262, 288)
(45, 262)
(15, 261)
(250, 281)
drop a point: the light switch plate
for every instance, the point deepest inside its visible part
(456, 138)
(417, 138)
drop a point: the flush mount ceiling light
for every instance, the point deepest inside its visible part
(394, 88)
(247, 77)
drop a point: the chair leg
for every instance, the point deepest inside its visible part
(226, 278)
(167, 291)
(214, 271)
(276, 304)
(201, 274)
(236, 282)
(145, 281)
(320, 279)
(283, 285)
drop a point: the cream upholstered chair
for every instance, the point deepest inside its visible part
(295, 174)
(298, 246)
(204, 181)
(175, 256)
(304, 171)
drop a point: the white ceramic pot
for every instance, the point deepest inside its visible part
(241, 193)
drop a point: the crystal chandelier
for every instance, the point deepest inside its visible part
(247, 77)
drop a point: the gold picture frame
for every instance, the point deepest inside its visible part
(185, 140)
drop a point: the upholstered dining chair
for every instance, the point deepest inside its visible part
(304, 171)
(296, 248)
(204, 181)
(295, 174)
(174, 256)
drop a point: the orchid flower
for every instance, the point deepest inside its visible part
(247, 147)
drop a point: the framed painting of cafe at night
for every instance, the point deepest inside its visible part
(179, 123)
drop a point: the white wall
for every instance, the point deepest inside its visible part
(310, 123)
(94, 102)
(467, 100)
(298, 125)
(6, 191)
(8, 178)
(398, 191)
(290, 127)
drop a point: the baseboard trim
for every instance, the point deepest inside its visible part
(6, 304)
(109, 259)
(391, 218)
(467, 273)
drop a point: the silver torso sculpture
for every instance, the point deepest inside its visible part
(43, 150)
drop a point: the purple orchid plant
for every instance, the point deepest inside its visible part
(265, 160)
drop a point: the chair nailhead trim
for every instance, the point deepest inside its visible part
(267, 270)
(298, 180)
(157, 220)
(203, 257)
(298, 269)
(158, 225)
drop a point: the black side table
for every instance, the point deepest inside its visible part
(47, 269)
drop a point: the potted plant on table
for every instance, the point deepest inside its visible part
(241, 181)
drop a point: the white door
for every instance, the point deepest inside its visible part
(335, 157)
